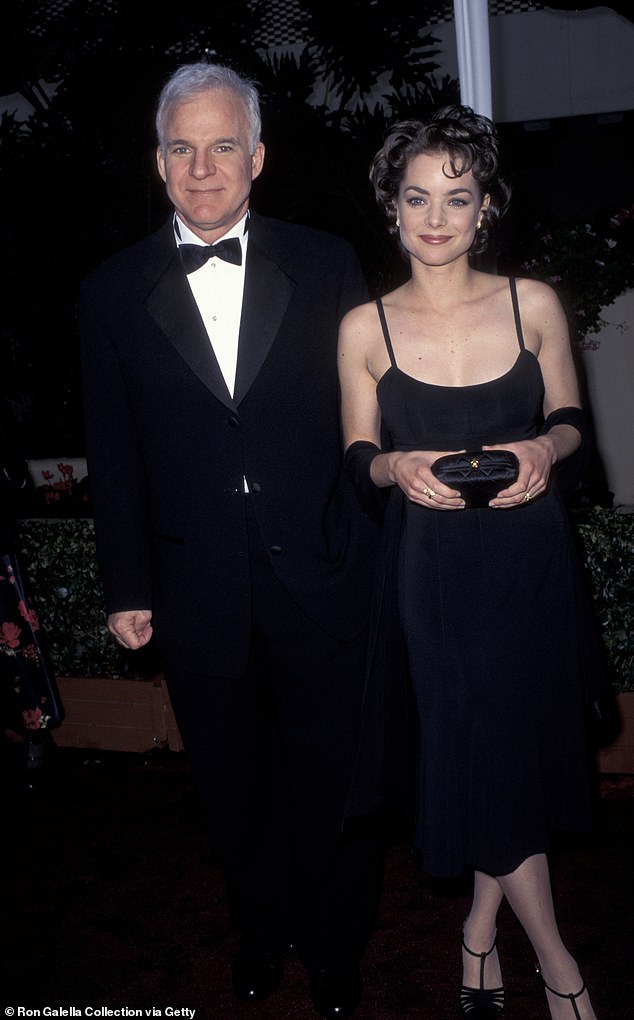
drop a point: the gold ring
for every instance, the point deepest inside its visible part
(527, 496)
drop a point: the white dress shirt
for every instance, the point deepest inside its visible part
(218, 288)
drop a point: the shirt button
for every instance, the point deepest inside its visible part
(275, 550)
(255, 487)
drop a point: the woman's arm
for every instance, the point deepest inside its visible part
(360, 414)
(543, 315)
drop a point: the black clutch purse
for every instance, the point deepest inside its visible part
(478, 475)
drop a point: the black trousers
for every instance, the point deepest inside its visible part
(272, 754)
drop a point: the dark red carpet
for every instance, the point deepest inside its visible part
(112, 903)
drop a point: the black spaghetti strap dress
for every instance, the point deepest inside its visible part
(495, 630)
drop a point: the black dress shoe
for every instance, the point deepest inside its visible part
(335, 994)
(256, 975)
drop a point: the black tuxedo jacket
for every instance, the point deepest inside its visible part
(168, 447)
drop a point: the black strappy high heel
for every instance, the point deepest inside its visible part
(481, 1003)
(563, 995)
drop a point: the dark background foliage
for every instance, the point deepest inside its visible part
(77, 178)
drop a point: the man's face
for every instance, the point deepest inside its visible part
(207, 166)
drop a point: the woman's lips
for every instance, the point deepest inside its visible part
(435, 238)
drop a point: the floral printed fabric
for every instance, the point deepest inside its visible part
(30, 699)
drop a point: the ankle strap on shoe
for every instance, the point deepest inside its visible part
(481, 956)
(564, 995)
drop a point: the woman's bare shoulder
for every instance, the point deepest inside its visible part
(537, 295)
(360, 318)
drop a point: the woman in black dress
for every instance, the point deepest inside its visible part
(489, 597)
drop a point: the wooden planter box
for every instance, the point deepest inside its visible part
(116, 715)
(619, 755)
(136, 715)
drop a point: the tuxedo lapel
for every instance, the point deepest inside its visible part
(267, 292)
(172, 306)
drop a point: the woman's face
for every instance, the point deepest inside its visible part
(438, 214)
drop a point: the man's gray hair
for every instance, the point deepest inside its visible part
(191, 80)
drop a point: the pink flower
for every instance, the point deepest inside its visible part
(29, 615)
(32, 718)
(620, 217)
(10, 634)
(47, 475)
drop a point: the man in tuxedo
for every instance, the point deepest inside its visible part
(226, 528)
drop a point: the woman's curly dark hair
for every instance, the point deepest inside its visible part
(471, 143)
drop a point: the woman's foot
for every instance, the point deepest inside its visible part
(482, 994)
(564, 1005)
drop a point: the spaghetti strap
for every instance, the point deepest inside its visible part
(386, 335)
(516, 313)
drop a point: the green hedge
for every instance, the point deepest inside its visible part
(60, 556)
(607, 543)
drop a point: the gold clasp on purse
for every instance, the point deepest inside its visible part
(475, 463)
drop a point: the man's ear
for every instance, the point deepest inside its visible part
(160, 162)
(257, 161)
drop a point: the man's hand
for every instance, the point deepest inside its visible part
(132, 629)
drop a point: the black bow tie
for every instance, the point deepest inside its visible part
(195, 255)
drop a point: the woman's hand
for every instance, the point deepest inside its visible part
(412, 473)
(536, 458)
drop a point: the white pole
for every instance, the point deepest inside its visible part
(474, 62)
